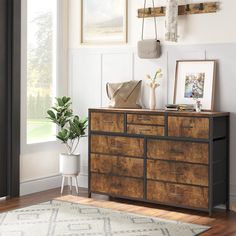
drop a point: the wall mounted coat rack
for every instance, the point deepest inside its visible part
(188, 9)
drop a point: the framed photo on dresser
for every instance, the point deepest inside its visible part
(195, 79)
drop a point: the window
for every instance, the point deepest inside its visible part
(41, 68)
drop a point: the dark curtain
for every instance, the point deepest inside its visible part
(10, 22)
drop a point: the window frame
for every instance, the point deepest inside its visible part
(61, 71)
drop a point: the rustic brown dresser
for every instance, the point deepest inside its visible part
(178, 159)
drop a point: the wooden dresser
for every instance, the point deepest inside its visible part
(178, 159)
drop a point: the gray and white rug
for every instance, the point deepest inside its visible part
(72, 219)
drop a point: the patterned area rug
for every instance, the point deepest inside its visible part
(71, 219)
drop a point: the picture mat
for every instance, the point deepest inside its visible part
(193, 67)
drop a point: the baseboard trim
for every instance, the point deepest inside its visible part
(47, 183)
(40, 184)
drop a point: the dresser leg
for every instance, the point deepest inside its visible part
(210, 213)
(89, 194)
(227, 205)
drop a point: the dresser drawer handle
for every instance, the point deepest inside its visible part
(178, 195)
(145, 130)
(187, 127)
(144, 118)
(108, 121)
(174, 172)
(176, 151)
(115, 144)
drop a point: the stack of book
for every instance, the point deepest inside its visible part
(180, 107)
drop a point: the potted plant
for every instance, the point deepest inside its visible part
(70, 129)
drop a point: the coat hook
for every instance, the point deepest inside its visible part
(162, 10)
(187, 7)
(201, 7)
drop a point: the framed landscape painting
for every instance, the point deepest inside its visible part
(195, 80)
(104, 21)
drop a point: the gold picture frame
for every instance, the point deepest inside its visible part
(90, 37)
(203, 72)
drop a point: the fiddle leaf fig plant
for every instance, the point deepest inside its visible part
(70, 127)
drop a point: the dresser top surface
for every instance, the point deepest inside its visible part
(161, 112)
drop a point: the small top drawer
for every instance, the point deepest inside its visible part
(107, 122)
(191, 127)
(146, 119)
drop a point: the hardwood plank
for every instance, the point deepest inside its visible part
(222, 222)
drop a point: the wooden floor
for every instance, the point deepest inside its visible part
(222, 223)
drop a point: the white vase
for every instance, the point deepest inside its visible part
(69, 164)
(152, 99)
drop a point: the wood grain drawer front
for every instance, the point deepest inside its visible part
(125, 166)
(117, 145)
(118, 186)
(146, 119)
(188, 127)
(177, 194)
(146, 130)
(107, 122)
(177, 172)
(178, 151)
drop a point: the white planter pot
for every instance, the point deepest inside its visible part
(69, 164)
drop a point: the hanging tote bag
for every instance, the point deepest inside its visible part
(124, 95)
(149, 48)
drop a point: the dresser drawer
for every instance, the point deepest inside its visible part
(177, 172)
(115, 185)
(107, 122)
(146, 130)
(178, 151)
(188, 127)
(117, 145)
(125, 166)
(146, 119)
(177, 194)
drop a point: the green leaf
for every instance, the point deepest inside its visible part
(60, 102)
(65, 99)
(51, 114)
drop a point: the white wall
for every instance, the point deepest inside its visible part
(193, 29)
(204, 36)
